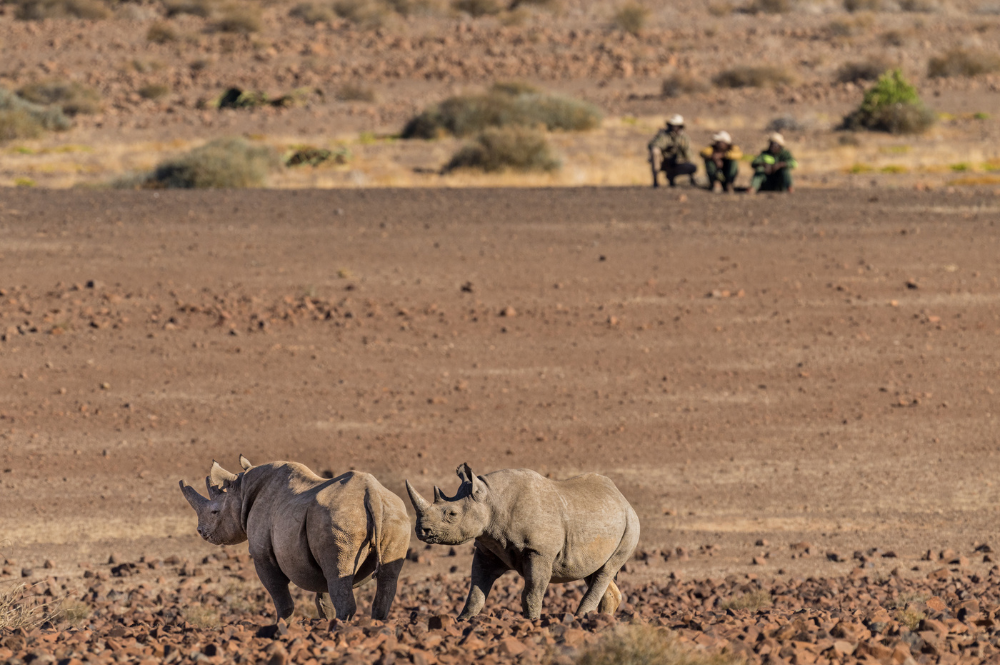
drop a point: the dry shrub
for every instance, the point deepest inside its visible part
(850, 27)
(785, 123)
(154, 91)
(630, 17)
(863, 70)
(892, 105)
(894, 38)
(222, 163)
(643, 645)
(477, 7)
(313, 12)
(506, 148)
(680, 83)
(37, 10)
(770, 6)
(542, 4)
(16, 611)
(21, 119)
(864, 5)
(355, 92)
(920, 6)
(720, 9)
(161, 33)
(963, 62)
(75, 611)
(748, 76)
(366, 14)
(239, 17)
(202, 617)
(72, 97)
(202, 8)
(753, 601)
(502, 106)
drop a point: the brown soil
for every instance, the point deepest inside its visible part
(752, 372)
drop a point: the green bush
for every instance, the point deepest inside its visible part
(37, 10)
(21, 119)
(748, 76)
(891, 105)
(643, 645)
(72, 97)
(506, 148)
(963, 62)
(630, 17)
(865, 70)
(222, 163)
(502, 106)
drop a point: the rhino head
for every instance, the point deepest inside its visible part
(456, 520)
(220, 520)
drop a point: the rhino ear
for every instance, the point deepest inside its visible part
(196, 500)
(219, 475)
(468, 476)
(464, 473)
(245, 463)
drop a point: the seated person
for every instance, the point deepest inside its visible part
(772, 169)
(722, 161)
(675, 149)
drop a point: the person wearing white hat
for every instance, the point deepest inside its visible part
(675, 152)
(772, 169)
(722, 162)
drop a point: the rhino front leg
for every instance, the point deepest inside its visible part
(486, 569)
(276, 584)
(537, 573)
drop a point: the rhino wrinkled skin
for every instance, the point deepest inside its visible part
(324, 535)
(546, 530)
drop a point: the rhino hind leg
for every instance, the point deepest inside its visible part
(276, 584)
(342, 596)
(385, 591)
(602, 581)
(611, 600)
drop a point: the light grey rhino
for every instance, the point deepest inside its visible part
(547, 530)
(324, 535)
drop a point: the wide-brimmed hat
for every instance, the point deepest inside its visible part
(676, 120)
(722, 137)
(775, 137)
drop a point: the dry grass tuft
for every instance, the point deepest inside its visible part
(355, 92)
(313, 12)
(21, 119)
(963, 62)
(864, 5)
(154, 91)
(477, 8)
(747, 76)
(864, 70)
(219, 164)
(202, 8)
(202, 617)
(502, 106)
(239, 17)
(770, 6)
(920, 6)
(642, 645)
(75, 611)
(72, 97)
(507, 148)
(15, 610)
(161, 33)
(753, 601)
(681, 83)
(37, 10)
(631, 18)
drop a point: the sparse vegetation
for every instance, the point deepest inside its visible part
(366, 14)
(202, 8)
(222, 163)
(894, 38)
(891, 105)
(863, 70)
(239, 17)
(864, 5)
(909, 618)
(154, 91)
(681, 83)
(72, 97)
(37, 10)
(752, 600)
(308, 155)
(75, 611)
(502, 107)
(313, 12)
(16, 611)
(894, 169)
(201, 616)
(784, 123)
(21, 119)
(477, 8)
(920, 6)
(355, 92)
(770, 6)
(161, 33)
(963, 62)
(630, 17)
(506, 148)
(852, 27)
(644, 645)
(748, 76)
(235, 98)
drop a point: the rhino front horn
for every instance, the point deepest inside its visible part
(419, 503)
(196, 500)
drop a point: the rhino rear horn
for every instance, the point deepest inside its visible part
(419, 503)
(196, 500)
(439, 495)
(213, 490)
(245, 463)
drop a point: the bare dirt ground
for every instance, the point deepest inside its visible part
(753, 373)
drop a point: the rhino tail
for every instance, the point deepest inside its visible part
(373, 507)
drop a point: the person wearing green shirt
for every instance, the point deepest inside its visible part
(675, 149)
(722, 162)
(772, 169)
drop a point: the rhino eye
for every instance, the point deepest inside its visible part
(452, 513)
(215, 512)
